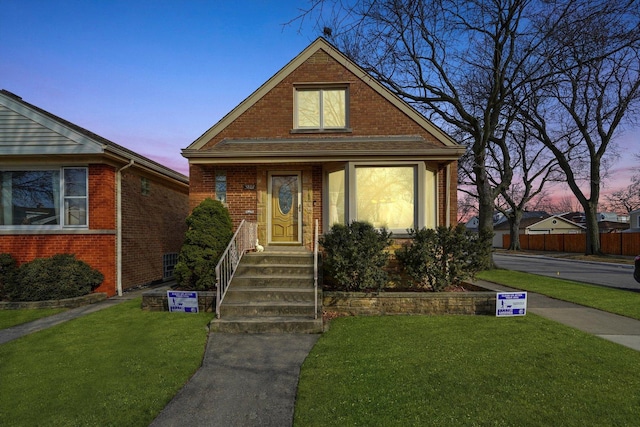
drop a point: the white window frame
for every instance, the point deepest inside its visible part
(320, 89)
(62, 197)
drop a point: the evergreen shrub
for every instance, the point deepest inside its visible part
(58, 277)
(209, 232)
(8, 270)
(445, 256)
(355, 256)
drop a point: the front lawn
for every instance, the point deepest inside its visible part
(625, 303)
(116, 367)
(9, 318)
(463, 371)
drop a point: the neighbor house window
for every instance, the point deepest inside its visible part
(48, 198)
(145, 186)
(321, 109)
(221, 186)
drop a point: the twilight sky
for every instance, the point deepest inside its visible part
(154, 75)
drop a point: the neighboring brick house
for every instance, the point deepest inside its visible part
(323, 140)
(68, 190)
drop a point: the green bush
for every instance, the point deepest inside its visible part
(209, 232)
(355, 256)
(60, 276)
(8, 270)
(437, 258)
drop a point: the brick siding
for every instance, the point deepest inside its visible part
(153, 224)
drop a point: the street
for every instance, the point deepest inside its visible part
(605, 274)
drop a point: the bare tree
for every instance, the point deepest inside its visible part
(533, 168)
(626, 199)
(460, 63)
(595, 58)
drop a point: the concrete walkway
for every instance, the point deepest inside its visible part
(18, 331)
(612, 327)
(245, 380)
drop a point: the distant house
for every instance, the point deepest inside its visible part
(322, 140)
(634, 222)
(556, 224)
(68, 190)
(503, 227)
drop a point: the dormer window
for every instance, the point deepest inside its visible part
(320, 109)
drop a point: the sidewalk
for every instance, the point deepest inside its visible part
(18, 331)
(612, 327)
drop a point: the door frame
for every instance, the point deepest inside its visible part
(300, 209)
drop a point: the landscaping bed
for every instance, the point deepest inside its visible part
(58, 303)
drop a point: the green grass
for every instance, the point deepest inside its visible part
(9, 318)
(116, 367)
(466, 371)
(616, 301)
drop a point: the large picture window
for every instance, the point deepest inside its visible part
(397, 195)
(321, 108)
(385, 196)
(50, 198)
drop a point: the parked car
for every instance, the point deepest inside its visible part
(636, 271)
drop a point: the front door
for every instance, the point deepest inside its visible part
(285, 208)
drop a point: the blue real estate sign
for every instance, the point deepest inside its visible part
(511, 304)
(183, 302)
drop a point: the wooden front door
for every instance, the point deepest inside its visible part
(285, 208)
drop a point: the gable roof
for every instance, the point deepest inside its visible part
(320, 44)
(27, 130)
(525, 222)
(556, 218)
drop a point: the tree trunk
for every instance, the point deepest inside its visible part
(593, 231)
(514, 230)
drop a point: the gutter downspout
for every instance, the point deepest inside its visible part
(119, 226)
(448, 195)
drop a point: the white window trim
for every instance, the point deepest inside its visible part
(61, 196)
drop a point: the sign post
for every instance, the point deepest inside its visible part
(182, 302)
(511, 304)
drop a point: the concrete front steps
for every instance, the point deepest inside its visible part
(271, 292)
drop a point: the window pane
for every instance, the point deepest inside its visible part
(333, 108)
(75, 182)
(75, 211)
(30, 197)
(336, 198)
(221, 186)
(308, 108)
(385, 196)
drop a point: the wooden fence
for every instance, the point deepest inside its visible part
(610, 243)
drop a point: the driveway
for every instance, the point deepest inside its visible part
(612, 275)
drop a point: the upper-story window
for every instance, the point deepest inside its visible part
(321, 108)
(44, 198)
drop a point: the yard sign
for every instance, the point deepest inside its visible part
(511, 304)
(182, 302)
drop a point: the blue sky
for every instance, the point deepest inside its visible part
(150, 75)
(155, 75)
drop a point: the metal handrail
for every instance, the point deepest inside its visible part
(242, 241)
(315, 269)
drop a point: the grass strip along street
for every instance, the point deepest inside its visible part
(624, 303)
(465, 370)
(119, 366)
(9, 318)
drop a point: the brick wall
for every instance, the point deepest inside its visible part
(370, 114)
(95, 247)
(153, 224)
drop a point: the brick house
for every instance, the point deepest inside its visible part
(68, 190)
(323, 140)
